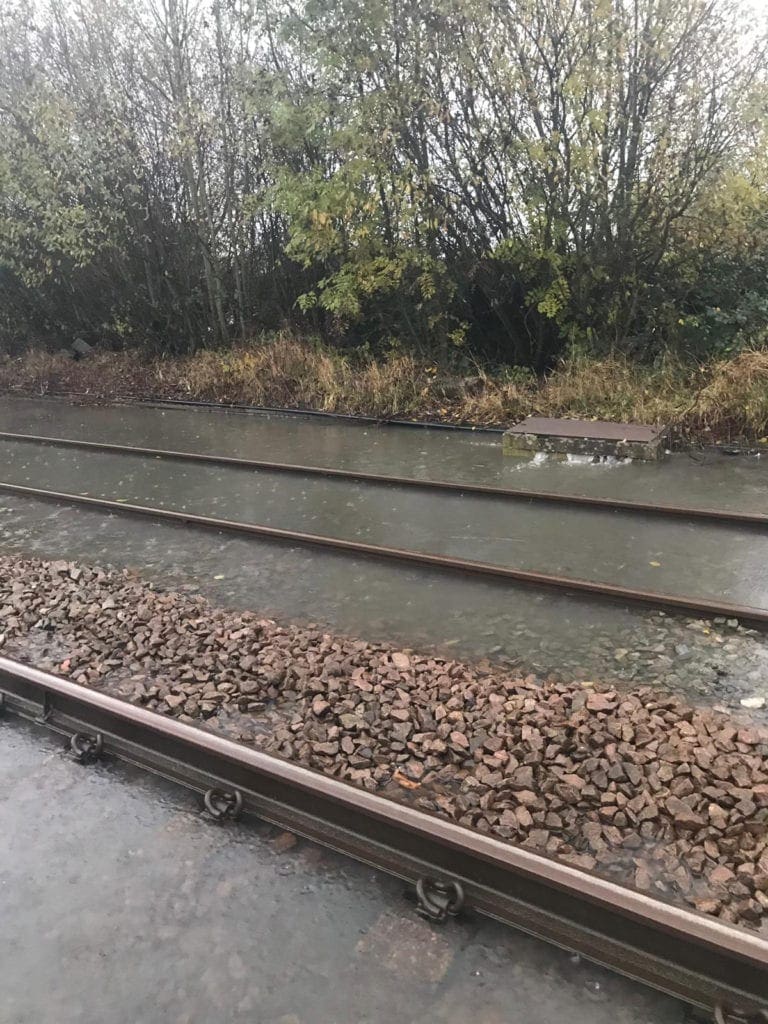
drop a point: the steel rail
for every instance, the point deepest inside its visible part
(685, 954)
(612, 591)
(291, 410)
(282, 410)
(724, 516)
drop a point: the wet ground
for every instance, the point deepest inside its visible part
(120, 902)
(710, 479)
(544, 631)
(668, 555)
(451, 738)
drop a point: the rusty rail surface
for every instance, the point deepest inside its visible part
(88, 398)
(464, 566)
(711, 965)
(711, 515)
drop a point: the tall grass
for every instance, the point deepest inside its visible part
(291, 373)
(723, 398)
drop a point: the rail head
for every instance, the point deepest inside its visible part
(691, 956)
(709, 516)
(468, 567)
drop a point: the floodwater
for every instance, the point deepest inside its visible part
(669, 555)
(710, 479)
(541, 630)
(120, 902)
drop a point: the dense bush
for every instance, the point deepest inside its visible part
(503, 179)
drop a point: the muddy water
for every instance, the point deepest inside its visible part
(671, 556)
(541, 630)
(712, 480)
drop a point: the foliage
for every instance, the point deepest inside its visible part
(504, 180)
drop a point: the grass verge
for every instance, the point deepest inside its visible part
(723, 399)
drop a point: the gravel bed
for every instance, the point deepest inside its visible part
(706, 661)
(637, 785)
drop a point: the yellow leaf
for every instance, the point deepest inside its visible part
(404, 781)
(656, 564)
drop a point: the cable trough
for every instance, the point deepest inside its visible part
(462, 566)
(716, 967)
(726, 517)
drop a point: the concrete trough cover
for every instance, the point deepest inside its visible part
(585, 437)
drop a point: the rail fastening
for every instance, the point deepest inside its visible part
(711, 965)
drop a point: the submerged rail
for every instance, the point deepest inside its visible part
(716, 967)
(712, 515)
(612, 591)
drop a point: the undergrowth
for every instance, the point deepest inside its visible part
(721, 399)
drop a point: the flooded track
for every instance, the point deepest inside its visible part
(705, 962)
(183, 503)
(422, 559)
(715, 563)
(710, 562)
(691, 512)
(196, 923)
(713, 480)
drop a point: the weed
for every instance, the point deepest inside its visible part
(722, 398)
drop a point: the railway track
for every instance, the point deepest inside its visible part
(688, 604)
(463, 566)
(727, 517)
(718, 968)
(715, 967)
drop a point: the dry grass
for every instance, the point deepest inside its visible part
(720, 399)
(736, 394)
(294, 374)
(617, 389)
